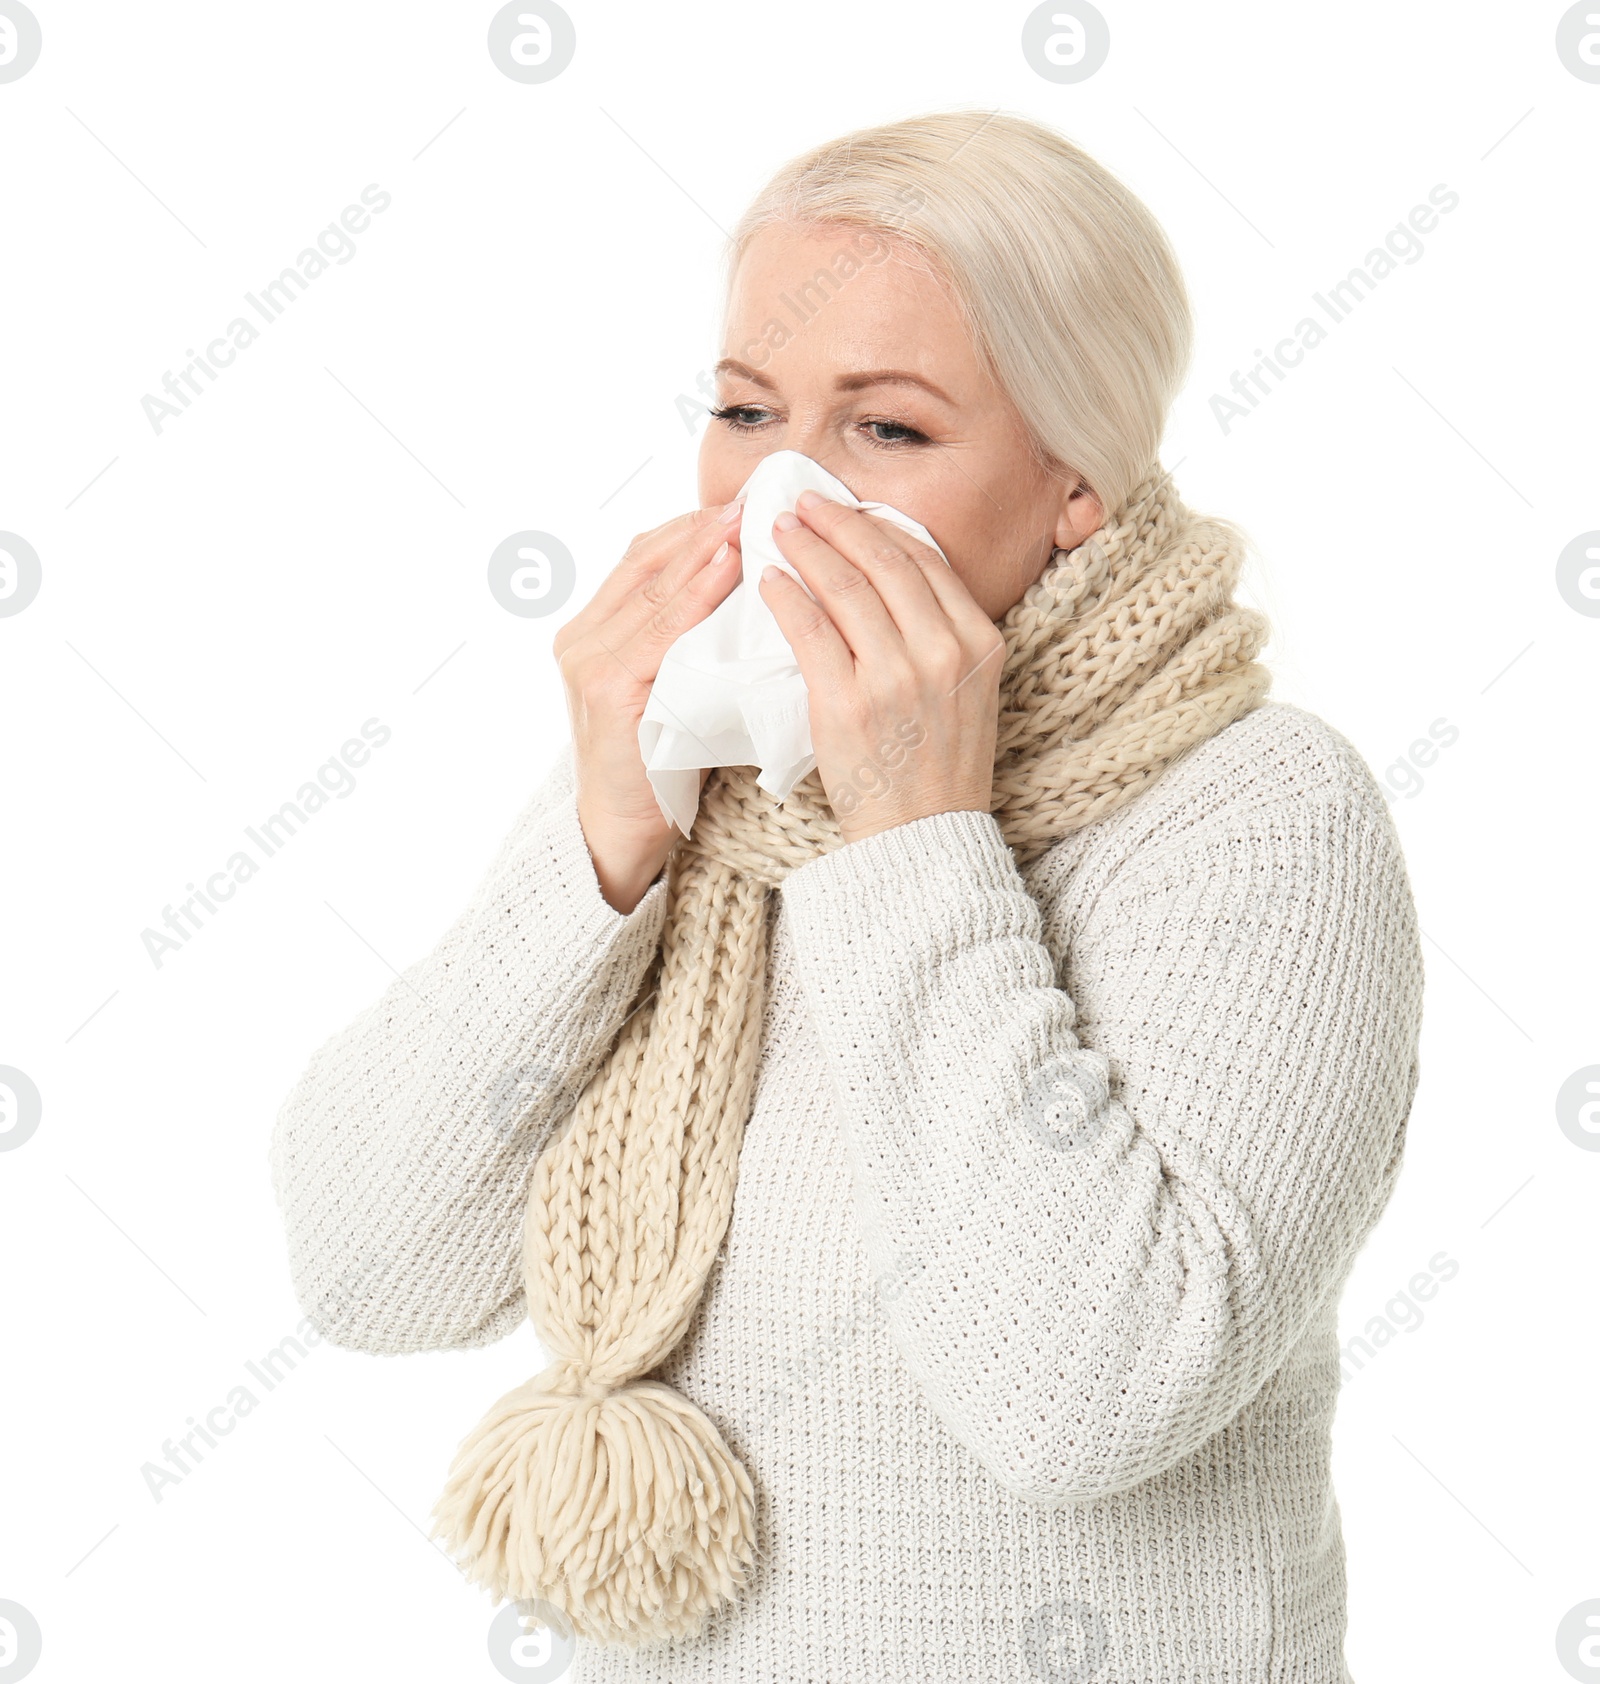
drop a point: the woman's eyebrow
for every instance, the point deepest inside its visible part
(845, 382)
(890, 377)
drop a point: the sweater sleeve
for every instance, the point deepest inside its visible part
(1108, 1228)
(401, 1158)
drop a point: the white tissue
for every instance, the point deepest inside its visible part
(729, 691)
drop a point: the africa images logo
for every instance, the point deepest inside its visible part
(334, 245)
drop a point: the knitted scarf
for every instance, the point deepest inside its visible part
(613, 1497)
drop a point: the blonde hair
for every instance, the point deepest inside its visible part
(1070, 289)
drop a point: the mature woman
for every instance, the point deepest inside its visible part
(933, 1190)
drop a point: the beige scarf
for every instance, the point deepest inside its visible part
(613, 1497)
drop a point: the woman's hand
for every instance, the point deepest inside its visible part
(902, 667)
(609, 654)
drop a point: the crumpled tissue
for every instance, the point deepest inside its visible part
(729, 691)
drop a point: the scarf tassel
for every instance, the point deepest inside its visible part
(626, 1511)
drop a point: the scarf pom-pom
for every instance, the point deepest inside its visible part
(622, 1508)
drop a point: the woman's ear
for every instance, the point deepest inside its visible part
(1081, 516)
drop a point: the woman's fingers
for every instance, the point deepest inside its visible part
(933, 614)
(671, 546)
(851, 594)
(917, 585)
(654, 568)
(654, 620)
(825, 660)
(886, 643)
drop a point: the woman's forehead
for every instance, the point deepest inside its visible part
(809, 301)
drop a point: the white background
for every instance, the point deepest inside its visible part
(230, 599)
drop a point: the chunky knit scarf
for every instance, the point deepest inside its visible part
(612, 1497)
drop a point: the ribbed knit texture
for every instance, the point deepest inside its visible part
(1024, 1324)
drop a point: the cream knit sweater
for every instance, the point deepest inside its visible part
(1020, 1401)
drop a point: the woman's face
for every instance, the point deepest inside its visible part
(881, 385)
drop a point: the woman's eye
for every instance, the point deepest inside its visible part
(747, 417)
(735, 415)
(908, 435)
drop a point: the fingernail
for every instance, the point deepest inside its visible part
(733, 508)
(809, 499)
(786, 522)
(769, 573)
(719, 555)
